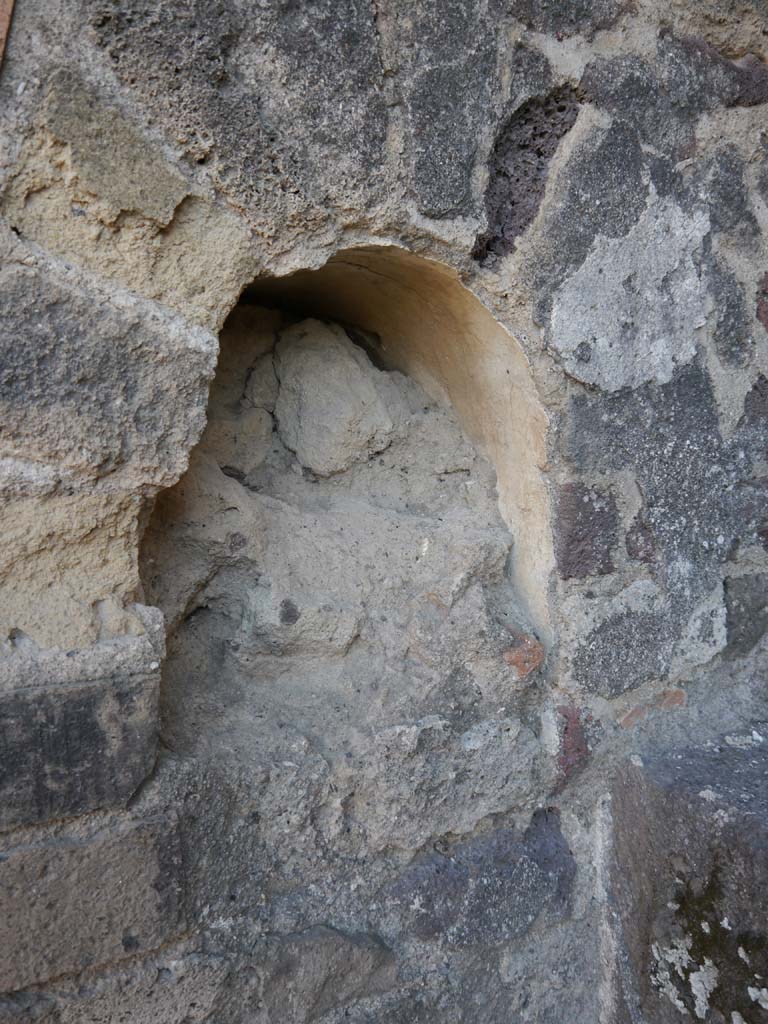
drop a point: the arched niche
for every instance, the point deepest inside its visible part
(435, 330)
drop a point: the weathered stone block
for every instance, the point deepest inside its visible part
(639, 541)
(66, 559)
(176, 986)
(602, 192)
(689, 883)
(586, 531)
(631, 646)
(91, 187)
(88, 895)
(488, 890)
(320, 369)
(95, 384)
(661, 99)
(309, 974)
(568, 17)
(756, 403)
(746, 604)
(761, 301)
(69, 749)
(117, 163)
(444, 58)
(255, 136)
(728, 195)
(702, 499)
(519, 165)
(78, 729)
(446, 103)
(95, 381)
(574, 724)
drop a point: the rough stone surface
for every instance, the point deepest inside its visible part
(125, 211)
(176, 986)
(688, 883)
(734, 332)
(569, 17)
(489, 890)
(319, 969)
(85, 377)
(85, 433)
(81, 897)
(639, 541)
(519, 165)
(746, 602)
(586, 531)
(628, 646)
(441, 58)
(444, 105)
(761, 310)
(331, 408)
(144, 183)
(602, 192)
(226, 107)
(668, 435)
(476, 516)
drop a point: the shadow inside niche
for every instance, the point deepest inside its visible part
(417, 317)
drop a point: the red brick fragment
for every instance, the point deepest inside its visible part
(667, 700)
(671, 699)
(574, 747)
(525, 655)
(633, 716)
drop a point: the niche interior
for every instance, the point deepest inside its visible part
(364, 515)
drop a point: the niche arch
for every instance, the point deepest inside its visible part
(438, 332)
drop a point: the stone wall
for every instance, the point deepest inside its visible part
(551, 218)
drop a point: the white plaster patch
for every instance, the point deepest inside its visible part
(631, 313)
(703, 983)
(674, 958)
(640, 596)
(744, 742)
